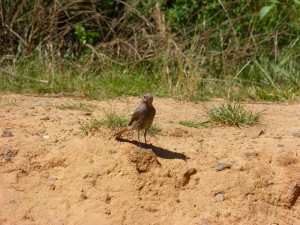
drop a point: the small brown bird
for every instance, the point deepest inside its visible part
(142, 118)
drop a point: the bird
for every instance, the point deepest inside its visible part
(142, 118)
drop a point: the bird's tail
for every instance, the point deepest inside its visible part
(121, 132)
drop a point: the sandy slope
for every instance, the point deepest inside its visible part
(52, 174)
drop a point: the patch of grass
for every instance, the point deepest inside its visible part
(74, 106)
(91, 126)
(194, 124)
(272, 94)
(154, 129)
(34, 76)
(111, 120)
(114, 121)
(196, 77)
(232, 114)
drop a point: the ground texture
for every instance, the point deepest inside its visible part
(51, 173)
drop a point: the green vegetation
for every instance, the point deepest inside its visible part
(184, 49)
(232, 114)
(154, 129)
(113, 121)
(79, 106)
(91, 126)
(194, 124)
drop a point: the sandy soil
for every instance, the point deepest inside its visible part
(50, 173)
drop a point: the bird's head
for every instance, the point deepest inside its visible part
(147, 98)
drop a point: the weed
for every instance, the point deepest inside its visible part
(232, 114)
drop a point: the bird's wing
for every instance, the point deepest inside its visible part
(135, 116)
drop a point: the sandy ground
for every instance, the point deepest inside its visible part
(50, 173)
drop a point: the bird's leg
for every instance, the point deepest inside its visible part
(139, 138)
(145, 135)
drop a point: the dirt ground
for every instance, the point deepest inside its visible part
(51, 173)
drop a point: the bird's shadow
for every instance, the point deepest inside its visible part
(158, 151)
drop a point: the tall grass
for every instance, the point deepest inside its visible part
(189, 50)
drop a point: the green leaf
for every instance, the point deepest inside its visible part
(265, 10)
(79, 29)
(93, 34)
(90, 40)
(297, 2)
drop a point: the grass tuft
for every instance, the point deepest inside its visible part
(232, 114)
(154, 129)
(113, 121)
(91, 126)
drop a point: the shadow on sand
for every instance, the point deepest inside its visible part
(159, 152)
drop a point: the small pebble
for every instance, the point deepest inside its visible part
(280, 145)
(222, 166)
(219, 197)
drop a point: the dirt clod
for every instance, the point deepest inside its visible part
(7, 133)
(11, 152)
(291, 195)
(187, 175)
(144, 160)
